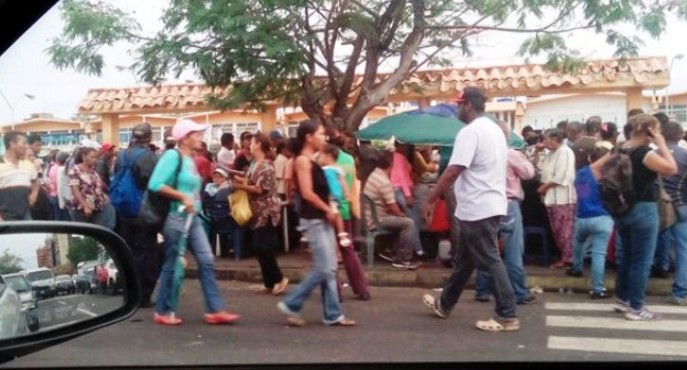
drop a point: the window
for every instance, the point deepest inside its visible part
(234, 128)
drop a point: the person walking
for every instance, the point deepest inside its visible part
(478, 168)
(261, 186)
(140, 160)
(90, 202)
(317, 216)
(185, 200)
(638, 230)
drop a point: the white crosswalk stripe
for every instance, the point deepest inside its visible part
(596, 322)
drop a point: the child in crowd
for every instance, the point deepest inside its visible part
(338, 191)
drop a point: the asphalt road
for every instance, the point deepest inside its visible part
(393, 327)
(65, 309)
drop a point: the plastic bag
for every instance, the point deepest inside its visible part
(440, 218)
(240, 208)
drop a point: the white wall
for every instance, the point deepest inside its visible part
(546, 114)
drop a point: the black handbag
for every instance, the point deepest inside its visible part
(155, 207)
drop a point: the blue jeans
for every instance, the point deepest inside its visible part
(58, 213)
(597, 231)
(413, 214)
(322, 243)
(618, 248)
(678, 234)
(106, 217)
(512, 234)
(199, 246)
(666, 239)
(638, 231)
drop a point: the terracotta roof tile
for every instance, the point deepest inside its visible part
(646, 72)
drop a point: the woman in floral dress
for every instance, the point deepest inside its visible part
(90, 202)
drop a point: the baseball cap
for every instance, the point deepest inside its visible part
(183, 127)
(222, 172)
(106, 147)
(472, 94)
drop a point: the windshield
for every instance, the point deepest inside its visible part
(17, 283)
(63, 278)
(39, 275)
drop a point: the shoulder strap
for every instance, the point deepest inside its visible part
(176, 176)
(130, 160)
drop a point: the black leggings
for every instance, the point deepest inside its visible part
(264, 242)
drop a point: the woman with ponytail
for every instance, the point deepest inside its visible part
(318, 217)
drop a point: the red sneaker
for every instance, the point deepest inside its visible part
(221, 317)
(170, 319)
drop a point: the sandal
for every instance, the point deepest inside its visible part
(345, 322)
(261, 290)
(494, 326)
(295, 321)
(279, 289)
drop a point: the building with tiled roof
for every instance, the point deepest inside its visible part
(628, 77)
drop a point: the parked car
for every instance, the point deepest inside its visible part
(10, 311)
(42, 281)
(29, 302)
(64, 284)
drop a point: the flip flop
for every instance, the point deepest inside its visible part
(295, 321)
(279, 289)
(494, 326)
(261, 290)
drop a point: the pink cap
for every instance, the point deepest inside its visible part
(184, 127)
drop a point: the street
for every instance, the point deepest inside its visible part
(61, 310)
(393, 327)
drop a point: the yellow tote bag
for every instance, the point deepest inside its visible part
(240, 208)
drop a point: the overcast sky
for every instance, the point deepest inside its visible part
(25, 67)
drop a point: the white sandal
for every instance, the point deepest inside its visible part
(494, 326)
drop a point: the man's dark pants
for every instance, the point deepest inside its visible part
(478, 248)
(147, 254)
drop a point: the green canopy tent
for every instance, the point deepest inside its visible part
(422, 129)
(417, 129)
(435, 126)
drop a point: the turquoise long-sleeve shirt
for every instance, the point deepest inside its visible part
(189, 182)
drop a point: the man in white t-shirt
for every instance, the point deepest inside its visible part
(478, 168)
(227, 154)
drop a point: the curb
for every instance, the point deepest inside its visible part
(434, 278)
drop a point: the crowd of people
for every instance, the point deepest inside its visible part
(320, 177)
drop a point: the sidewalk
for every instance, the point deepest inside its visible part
(431, 274)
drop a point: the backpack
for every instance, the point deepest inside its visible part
(125, 195)
(615, 184)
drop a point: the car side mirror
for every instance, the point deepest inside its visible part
(60, 280)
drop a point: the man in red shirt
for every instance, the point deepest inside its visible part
(103, 276)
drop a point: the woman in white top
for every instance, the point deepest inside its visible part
(558, 191)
